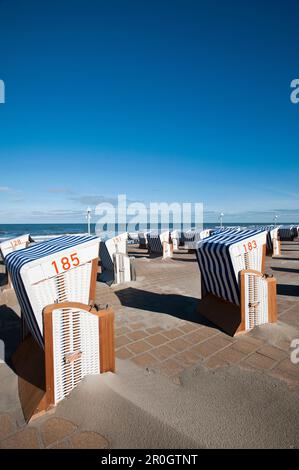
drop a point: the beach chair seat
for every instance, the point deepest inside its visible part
(160, 244)
(117, 267)
(55, 285)
(232, 266)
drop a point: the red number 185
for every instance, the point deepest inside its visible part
(67, 263)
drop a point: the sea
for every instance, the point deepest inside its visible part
(46, 230)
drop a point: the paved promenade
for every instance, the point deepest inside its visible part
(180, 381)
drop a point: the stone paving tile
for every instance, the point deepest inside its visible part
(144, 360)
(137, 325)
(246, 344)
(25, 439)
(258, 361)
(171, 368)
(137, 334)
(157, 339)
(7, 426)
(124, 353)
(65, 444)
(154, 329)
(139, 347)
(163, 352)
(173, 333)
(229, 356)
(215, 361)
(195, 337)
(56, 429)
(188, 358)
(188, 327)
(122, 341)
(274, 353)
(89, 440)
(178, 344)
(122, 330)
(287, 366)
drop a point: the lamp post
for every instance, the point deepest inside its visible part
(221, 219)
(88, 216)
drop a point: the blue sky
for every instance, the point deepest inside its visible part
(160, 100)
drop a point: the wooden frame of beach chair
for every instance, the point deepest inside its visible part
(236, 293)
(70, 336)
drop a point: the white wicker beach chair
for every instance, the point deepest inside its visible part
(55, 285)
(232, 266)
(286, 233)
(160, 244)
(175, 237)
(15, 244)
(276, 245)
(117, 266)
(142, 238)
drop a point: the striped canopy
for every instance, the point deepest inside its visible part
(215, 255)
(17, 260)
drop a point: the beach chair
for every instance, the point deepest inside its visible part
(286, 234)
(142, 238)
(160, 244)
(232, 266)
(190, 238)
(117, 267)
(175, 238)
(14, 244)
(275, 241)
(55, 284)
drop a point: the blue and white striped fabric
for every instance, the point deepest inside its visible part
(215, 263)
(17, 259)
(154, 243)
(286, 233)
(105, 258)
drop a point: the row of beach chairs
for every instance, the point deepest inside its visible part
(55, 284)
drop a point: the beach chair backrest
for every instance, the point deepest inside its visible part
(14, 244)
(111, 246)
(223, 255)
(285, 233)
